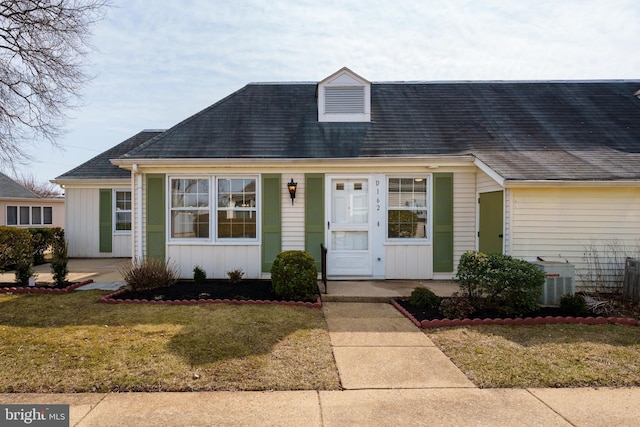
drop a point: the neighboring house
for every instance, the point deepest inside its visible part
(20, 207)
(396, 179)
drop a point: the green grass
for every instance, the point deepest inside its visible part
(544, 355)
(69, 343)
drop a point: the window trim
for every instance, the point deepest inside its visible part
(18, 208)
(116, 211)
(257, 209)
(429, 208)
(169, 210)
(213, 239)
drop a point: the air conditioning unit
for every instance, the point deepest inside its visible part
(560, 281)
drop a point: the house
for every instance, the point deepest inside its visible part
(20, 207)
(396, 179)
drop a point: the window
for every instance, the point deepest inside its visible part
(12, 215)
(237, 211)
(190, 208)
(48, 215)
(123, 211)
(407, 214)
(36, 215)
(29, 215)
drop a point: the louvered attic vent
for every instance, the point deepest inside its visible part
(344, 100)
(344, 97)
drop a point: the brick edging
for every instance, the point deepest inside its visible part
(44, 290)
(539, 320)
(110, 299)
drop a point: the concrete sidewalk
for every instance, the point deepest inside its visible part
(391, 373)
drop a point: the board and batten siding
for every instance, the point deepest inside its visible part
(559, 223)
(216, 260)
(82, 226)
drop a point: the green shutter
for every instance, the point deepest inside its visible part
(271, 220)
(443, 222)
(105, 220)
(314, 215)
(156, 209)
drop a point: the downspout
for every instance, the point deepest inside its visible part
(139, 204)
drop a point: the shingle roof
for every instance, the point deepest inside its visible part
(522, 130)
(100, 167)
(11, 189)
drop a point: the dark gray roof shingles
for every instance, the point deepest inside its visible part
(100, 166)
(11, 189)
(522, 130)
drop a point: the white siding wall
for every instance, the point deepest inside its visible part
(216, 260)
(293, 216)
(559, 222)
(409, 262)
(464, 214)
(82, 222)
(486, 184)
(82, 229)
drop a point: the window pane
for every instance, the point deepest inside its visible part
(237, 210)
(123, 200)
(188, 218)
(407, 214)
(123, 221)
(48, 215)
(12, 215)
(36, 215)
(24, 215)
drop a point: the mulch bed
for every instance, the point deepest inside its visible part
(41, 287)
(246, 291)
(431, 318)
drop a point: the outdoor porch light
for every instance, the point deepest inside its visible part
(292, 189)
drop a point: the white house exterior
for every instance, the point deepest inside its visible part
(397, 180)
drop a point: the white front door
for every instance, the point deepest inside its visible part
(348, 228)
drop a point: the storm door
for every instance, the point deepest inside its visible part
(348, 228)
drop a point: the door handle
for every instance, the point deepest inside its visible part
(500, 236)
(328, 225)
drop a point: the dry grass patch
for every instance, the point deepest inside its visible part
(69, 343)
(544, 355)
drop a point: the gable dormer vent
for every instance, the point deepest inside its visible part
(344, 97)
(344, 100)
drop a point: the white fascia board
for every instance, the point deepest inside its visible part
(568, 184)
(492, 174)
(430, 162)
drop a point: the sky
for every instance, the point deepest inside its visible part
(154, 64)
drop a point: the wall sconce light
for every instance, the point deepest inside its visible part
(292, 189)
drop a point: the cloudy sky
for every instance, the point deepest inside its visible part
(156, 63)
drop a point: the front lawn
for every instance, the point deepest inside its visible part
(70, 343)
(544, 355)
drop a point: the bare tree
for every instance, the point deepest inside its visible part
(43, 47)
(42, 189)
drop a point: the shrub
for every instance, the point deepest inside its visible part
(15, 243)
(573, 305)
(199, 275)
(149, 273)
(509, 285)
(60, 257)
(41, 240)
(235, 275)
(424, 298)
(294, 275)
(456, 307)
